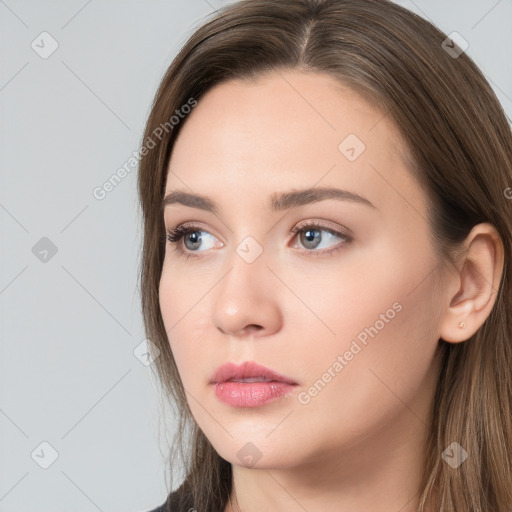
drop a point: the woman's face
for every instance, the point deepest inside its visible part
(346, 307)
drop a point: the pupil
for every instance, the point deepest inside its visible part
(312, 235)
(193, 238)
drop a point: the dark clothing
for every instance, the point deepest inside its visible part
(176, 502)
(161, 508)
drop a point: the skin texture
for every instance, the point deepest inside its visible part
(357, 444)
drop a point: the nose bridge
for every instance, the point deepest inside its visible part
(244, 297)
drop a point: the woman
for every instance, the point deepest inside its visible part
(325, 192)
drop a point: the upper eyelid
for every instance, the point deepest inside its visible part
(320, 225)
(192, 226)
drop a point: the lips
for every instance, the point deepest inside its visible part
(250, 385)
(248, 372)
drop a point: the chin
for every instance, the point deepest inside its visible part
(258, 454)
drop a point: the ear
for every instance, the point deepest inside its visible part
(472, 285)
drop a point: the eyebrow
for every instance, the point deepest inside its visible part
(278, 201)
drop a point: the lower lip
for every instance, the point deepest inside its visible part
(251, 394)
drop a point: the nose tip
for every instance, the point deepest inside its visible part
(245, 303)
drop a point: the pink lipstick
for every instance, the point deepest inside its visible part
(250, 384)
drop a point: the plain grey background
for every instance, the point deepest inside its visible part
(75, 392)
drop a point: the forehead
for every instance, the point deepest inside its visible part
(289, 129)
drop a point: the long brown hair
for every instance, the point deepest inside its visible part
(461, 147)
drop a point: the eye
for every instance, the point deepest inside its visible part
(193, 238)
(311, 238)
(197, 240)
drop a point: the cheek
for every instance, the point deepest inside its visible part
(185, 298)
(180, 293)
(183, 318)
(382, 352)
(339, 301)
(170, 306)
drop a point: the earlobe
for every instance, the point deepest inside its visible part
(476, 280)
(457, 324)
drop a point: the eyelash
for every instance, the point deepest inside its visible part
(174, 235)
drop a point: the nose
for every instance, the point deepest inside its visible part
(245, 301)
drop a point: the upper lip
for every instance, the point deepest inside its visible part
(245, 370)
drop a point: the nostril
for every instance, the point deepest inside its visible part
(254, 327)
